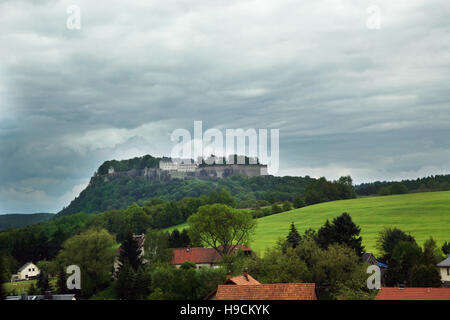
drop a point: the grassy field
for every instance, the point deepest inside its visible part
(20, 287)
(420, 214)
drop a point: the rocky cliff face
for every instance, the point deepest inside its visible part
(202, 173)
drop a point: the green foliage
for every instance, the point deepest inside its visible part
(61, 283)
(431, 183)
(425, 276)
(220, 226)
(276, 209)
(322, 190)
(11, 221)
(293, 238)
(43, 282)
(299, 201)
(388, 239)
(121, 191)
(446, 248)
(336, 270)
(3, 278)
(179, 239)
(287, 206)
(432, 254)
(405, 257)
(341, 231)
(184, 283)
(156, 247)
(93, 251)
(130, 253)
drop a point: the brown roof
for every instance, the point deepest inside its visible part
(386, 293)
(275, 291)
(243, 280)
(196, 255)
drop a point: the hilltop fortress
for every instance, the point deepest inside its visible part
(189, 169)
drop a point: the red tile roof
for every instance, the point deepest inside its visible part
(275, 291)
(243, 280)
(196, 255)
(386, 293)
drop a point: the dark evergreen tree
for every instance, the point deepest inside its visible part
(425, 276)
(342, 231)
(42, 282)
(61, 283)
(388, 240)
(446, 248)
(130, 252)
(293, 237)
(126, 282)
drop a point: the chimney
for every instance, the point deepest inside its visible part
(188, 248)
(228, 276)
(245, 274)
(24, 296)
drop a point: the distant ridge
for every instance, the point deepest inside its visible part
(18, 220)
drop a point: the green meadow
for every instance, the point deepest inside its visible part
(420, 214)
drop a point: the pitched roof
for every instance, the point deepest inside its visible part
(413, 294)
(235, 248)
(243, 280)
(196, 255)
(275, 291)
(25, 266)
(445, 263)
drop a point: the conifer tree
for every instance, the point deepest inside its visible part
(130, 253)
(61, 283)
(43, 282)
(293, 237)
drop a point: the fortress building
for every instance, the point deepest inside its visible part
(188, 169)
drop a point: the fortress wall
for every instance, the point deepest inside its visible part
(204, 173)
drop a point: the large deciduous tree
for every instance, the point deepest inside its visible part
(219, 226)
(93, 251)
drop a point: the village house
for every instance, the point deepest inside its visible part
(273, 291)
(242, 280)
(444, 268)
(27, 272)
(402, 293)
(203, 257)
(245, 287)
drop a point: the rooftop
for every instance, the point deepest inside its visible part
(445, 263)
(386, 293)
(274, 291)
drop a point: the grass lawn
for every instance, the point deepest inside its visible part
(421, 214)
(20, 287)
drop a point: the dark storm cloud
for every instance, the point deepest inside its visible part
(347, 100)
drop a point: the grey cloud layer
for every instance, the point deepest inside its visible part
(374, 104)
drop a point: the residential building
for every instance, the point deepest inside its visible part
(402, 293)
(203, 257)
(27, 272)
(273, 291)
(444, 268)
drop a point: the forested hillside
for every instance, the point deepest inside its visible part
(119, 193)
(431, 183)
(10, 221)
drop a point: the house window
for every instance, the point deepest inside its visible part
(33, 269)
(29, 269)
(448, 271)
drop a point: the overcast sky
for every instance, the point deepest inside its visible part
(347, 98)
